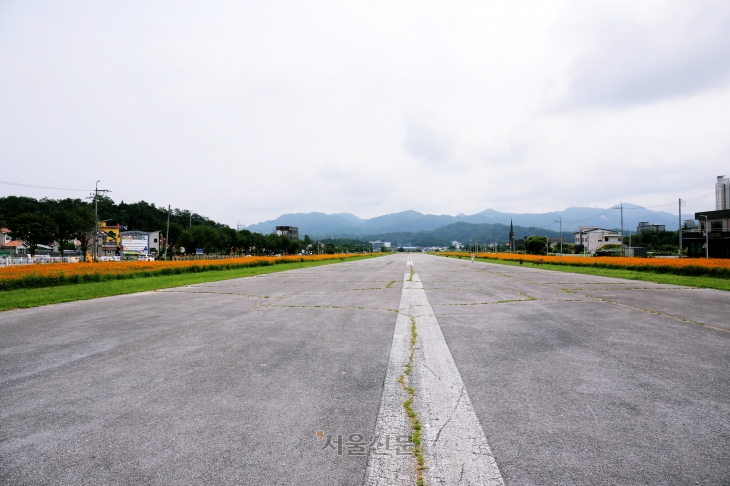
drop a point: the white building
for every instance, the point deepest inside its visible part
(691, 224)
(722, 193)
(377, 245)
(593, 237)
(645, 226)
(457, 245)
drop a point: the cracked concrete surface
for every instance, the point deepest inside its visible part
(597, 380)
(573, 379)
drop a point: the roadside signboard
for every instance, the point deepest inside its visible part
(135, 244)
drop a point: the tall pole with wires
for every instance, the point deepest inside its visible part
(167, 233)
(560, 220)
(622, 229)
(620, 207)
(96, 219)
(680, 228)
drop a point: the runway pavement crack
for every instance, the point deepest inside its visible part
(662, 314)
(333, 307)
(461, 394)
(429, 369)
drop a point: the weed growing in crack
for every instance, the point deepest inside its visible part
(408, 406)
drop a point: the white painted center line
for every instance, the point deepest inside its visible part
(455, 446)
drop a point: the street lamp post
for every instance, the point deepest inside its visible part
(707, 238)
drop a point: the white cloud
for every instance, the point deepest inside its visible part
(243, 111)
(642, 52)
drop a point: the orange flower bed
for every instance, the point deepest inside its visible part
(715, 267)
(51, 274)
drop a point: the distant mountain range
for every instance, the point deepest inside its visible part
(349, 225)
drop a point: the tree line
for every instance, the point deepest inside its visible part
(44, 221)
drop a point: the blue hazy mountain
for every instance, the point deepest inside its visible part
(347, 224)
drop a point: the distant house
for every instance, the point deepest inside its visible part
(691, 225)
(11, 247)
(645, 226)
(14, 248)
(718, 237)
(591, 238)
(457, 245)
(378, 244)
(291, 232)
(4, 236)
(109, 238)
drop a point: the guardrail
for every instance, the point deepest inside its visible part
(10, 261)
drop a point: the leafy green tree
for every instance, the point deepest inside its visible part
(85, 230)
(206, 238)
(13, 206)
(187, 241)
(176, 231)
(67, 225)
(536, 245)
(229, 239)
(34, 229)
(244, 241)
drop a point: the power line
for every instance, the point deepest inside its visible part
(692, 199)
(44, 187)
(590, 217)
(689, 200)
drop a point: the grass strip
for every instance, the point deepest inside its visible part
(389, 284)
(408, 406)
(53, 274)
(25, 298)
(701, 281)
(689, 267)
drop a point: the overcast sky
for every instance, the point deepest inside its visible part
(243, 111)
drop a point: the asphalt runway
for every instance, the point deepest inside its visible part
(572, 379)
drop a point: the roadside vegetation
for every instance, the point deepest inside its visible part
(55, 274)
(44, 221)
(141, 282)
(694, 272)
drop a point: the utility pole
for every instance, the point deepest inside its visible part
(622, 228)
(190, 213)
(620, 207)
(632, 253)
(560, 220)
(680, 228)
(707, 238)
(167, 233)
(96, 219)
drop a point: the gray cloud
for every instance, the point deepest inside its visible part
(682, 50)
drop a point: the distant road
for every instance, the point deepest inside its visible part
(522, 376)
